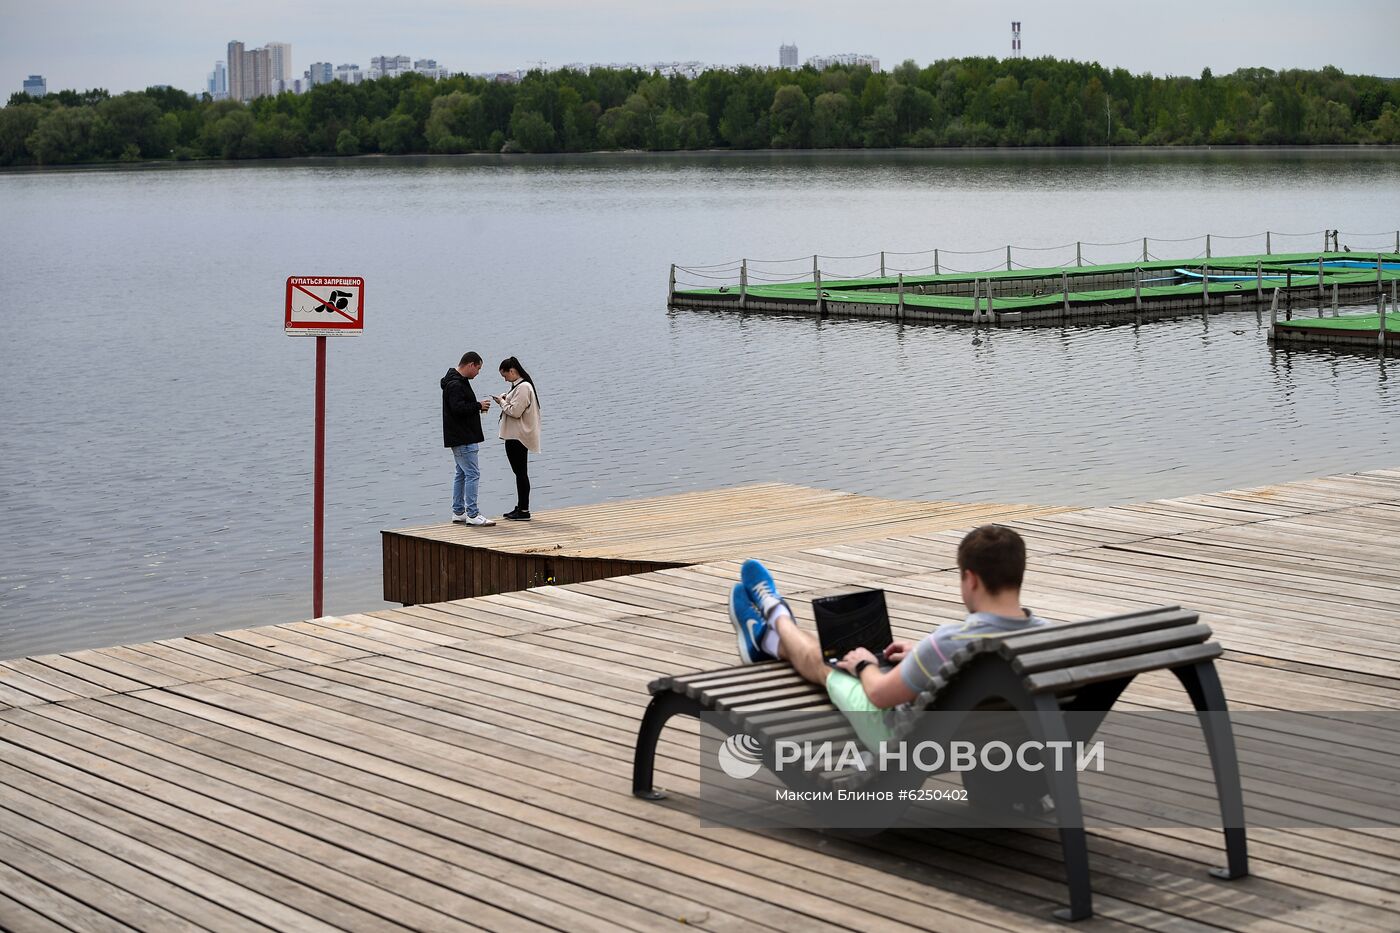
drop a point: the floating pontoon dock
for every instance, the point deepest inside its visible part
(1378, 331)
(1052, 295)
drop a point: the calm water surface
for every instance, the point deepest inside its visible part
(155, 436)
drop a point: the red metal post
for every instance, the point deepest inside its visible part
(318, 532)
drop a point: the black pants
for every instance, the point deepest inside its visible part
(517, 453)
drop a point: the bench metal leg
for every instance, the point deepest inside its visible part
(1202, 683)
(1064, 790)
(662, 707)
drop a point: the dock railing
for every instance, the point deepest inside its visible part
(745, 273)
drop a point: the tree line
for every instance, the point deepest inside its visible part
(952, 103)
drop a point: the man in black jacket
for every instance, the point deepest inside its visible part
(461, 430)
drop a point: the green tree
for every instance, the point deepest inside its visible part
(530, 131)
(449, 123)
(1387, 128)
(347, 143)
(697, 131)
(579, 122)
(66, 134)
(231, 135)
(17, 121)
(135, 119)
(791, 118)
(833, 120)
(396, 133)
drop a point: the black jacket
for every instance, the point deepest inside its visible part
(461, 412)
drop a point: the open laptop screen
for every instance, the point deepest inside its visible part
(852, 620)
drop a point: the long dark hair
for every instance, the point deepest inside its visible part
(511, 362)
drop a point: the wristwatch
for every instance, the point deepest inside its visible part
(861, 665)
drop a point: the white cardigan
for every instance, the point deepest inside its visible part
(520, 415)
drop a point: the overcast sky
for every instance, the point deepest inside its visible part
(130, 44)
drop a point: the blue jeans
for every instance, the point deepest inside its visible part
(464, 482)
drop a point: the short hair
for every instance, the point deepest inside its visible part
(996, 554)
(471, 356)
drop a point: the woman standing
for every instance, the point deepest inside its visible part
(520, 429)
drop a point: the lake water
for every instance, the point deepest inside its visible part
(155, 435)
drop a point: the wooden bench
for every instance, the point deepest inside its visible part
(1077, 667)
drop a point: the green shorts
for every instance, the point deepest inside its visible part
(865, 717)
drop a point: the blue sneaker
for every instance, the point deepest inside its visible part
(760, 584)
(749, 625)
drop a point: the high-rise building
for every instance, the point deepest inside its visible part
(257, 72)
(320, 73)
(1015, 38)
(280, 54)
(787, 56)
(350, 74)
(235, 71)
(389, 66)
(218, 82)
(429, 68)
(258, 65)
(35, 86)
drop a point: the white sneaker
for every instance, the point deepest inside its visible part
(481, 521)
(459, 519)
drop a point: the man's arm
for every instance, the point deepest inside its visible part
(885, 689)
(460, 400)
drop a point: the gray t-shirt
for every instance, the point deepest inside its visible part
(933, 651)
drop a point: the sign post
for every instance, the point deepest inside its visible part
(320, 306)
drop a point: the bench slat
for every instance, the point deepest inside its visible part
(1068, 678)
(799, 689)
(786, 678)
(1109, 648)
(1058, 635)
(807, 702)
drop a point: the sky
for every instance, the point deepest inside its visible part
(131, 44)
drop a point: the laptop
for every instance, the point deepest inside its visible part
(852, 620)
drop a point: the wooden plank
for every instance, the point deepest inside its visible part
(847, 903)
(46, 682)
(425, 867)
(556, 854)
(102, 659)
(259, 904)
(319, 868)
(54, 908)
(97, 877)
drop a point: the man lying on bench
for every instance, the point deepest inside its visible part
(992, 564)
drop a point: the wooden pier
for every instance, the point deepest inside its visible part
(432, 563)
(466, 765)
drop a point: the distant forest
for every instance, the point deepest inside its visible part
(953, 103)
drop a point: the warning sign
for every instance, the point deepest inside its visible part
(325, 304)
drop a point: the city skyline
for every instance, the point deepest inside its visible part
(159, 42)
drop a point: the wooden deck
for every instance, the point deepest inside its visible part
(467, 765)
(433, 563)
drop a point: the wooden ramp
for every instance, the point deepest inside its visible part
(467, 765)
(433, 563)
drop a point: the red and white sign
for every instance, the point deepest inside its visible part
(325, 304)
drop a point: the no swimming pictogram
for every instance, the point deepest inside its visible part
(320, 304)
